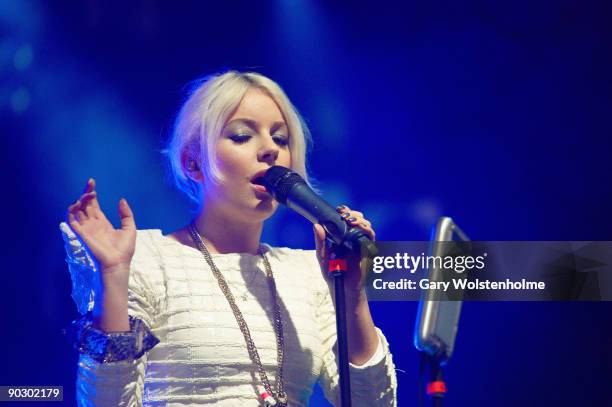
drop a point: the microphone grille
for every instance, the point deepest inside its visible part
(279, 180)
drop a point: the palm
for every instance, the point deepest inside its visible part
(109, 246)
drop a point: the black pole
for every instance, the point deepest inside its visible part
(338, 268)
(438, 389)
(436, 376)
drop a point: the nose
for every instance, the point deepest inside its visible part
(268, 152)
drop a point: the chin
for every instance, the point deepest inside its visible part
(265, 208)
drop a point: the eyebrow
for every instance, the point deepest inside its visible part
(253, 124)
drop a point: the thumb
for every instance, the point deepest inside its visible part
(319, 235)
(126, 215)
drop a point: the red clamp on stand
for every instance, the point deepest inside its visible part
(436, 389)
(337, 266)
(337, 269)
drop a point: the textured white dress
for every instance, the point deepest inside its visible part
(201, 358)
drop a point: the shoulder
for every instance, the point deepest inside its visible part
(153, 243)
(148, 241)
(147, 257)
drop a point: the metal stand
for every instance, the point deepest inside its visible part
(337, 268)
(436, 387)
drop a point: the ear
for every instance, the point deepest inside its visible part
(191, 166)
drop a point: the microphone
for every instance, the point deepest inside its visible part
(288, 188)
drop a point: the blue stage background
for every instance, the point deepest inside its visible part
(494, 113)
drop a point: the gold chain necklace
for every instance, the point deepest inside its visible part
(280, 397)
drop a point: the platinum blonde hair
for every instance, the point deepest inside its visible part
(203, 115)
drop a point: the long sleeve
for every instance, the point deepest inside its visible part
(117, 383)
(374, 384)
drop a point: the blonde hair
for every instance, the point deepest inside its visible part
(201, 118)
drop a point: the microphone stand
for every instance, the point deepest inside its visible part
(436, 387)
(337, 268)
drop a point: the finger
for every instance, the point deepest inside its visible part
(370, 232)
(364, 225)
(81, 216)
(88, 205)
(348, 214)
(90, 186)
(89, 211)
(74, 224)
(73, 208)
(71, 218)
(342, 208)
(92, 197)
(85, 198)
(95, 202)
(80, 204)
(92, 201)
(352, 214)
(75, 204)
(99, 214)
(355, 221)
(126, 215)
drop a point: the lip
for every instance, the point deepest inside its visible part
(258, 174)
(261, 192)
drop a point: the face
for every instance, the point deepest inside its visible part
(253, 139)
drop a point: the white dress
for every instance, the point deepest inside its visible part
(201, 357)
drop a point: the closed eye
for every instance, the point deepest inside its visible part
(239, 138)
(281, 140)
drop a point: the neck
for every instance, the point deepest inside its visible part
(223, 234)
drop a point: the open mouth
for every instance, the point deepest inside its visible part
(260, 188)
(258, 182)
(258, 178)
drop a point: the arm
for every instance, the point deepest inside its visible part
(110, 250)
(106, 254)
(372, 372)
(373, 383)
(118, 383)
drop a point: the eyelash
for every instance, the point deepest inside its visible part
(243, 138)
(282, 141)
(240, 138)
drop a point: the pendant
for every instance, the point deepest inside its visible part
(269, 401)
(282, 400)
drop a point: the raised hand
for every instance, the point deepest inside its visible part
(112, 248)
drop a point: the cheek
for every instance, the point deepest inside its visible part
(230, 161)
(284, 158)
(227, 166)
